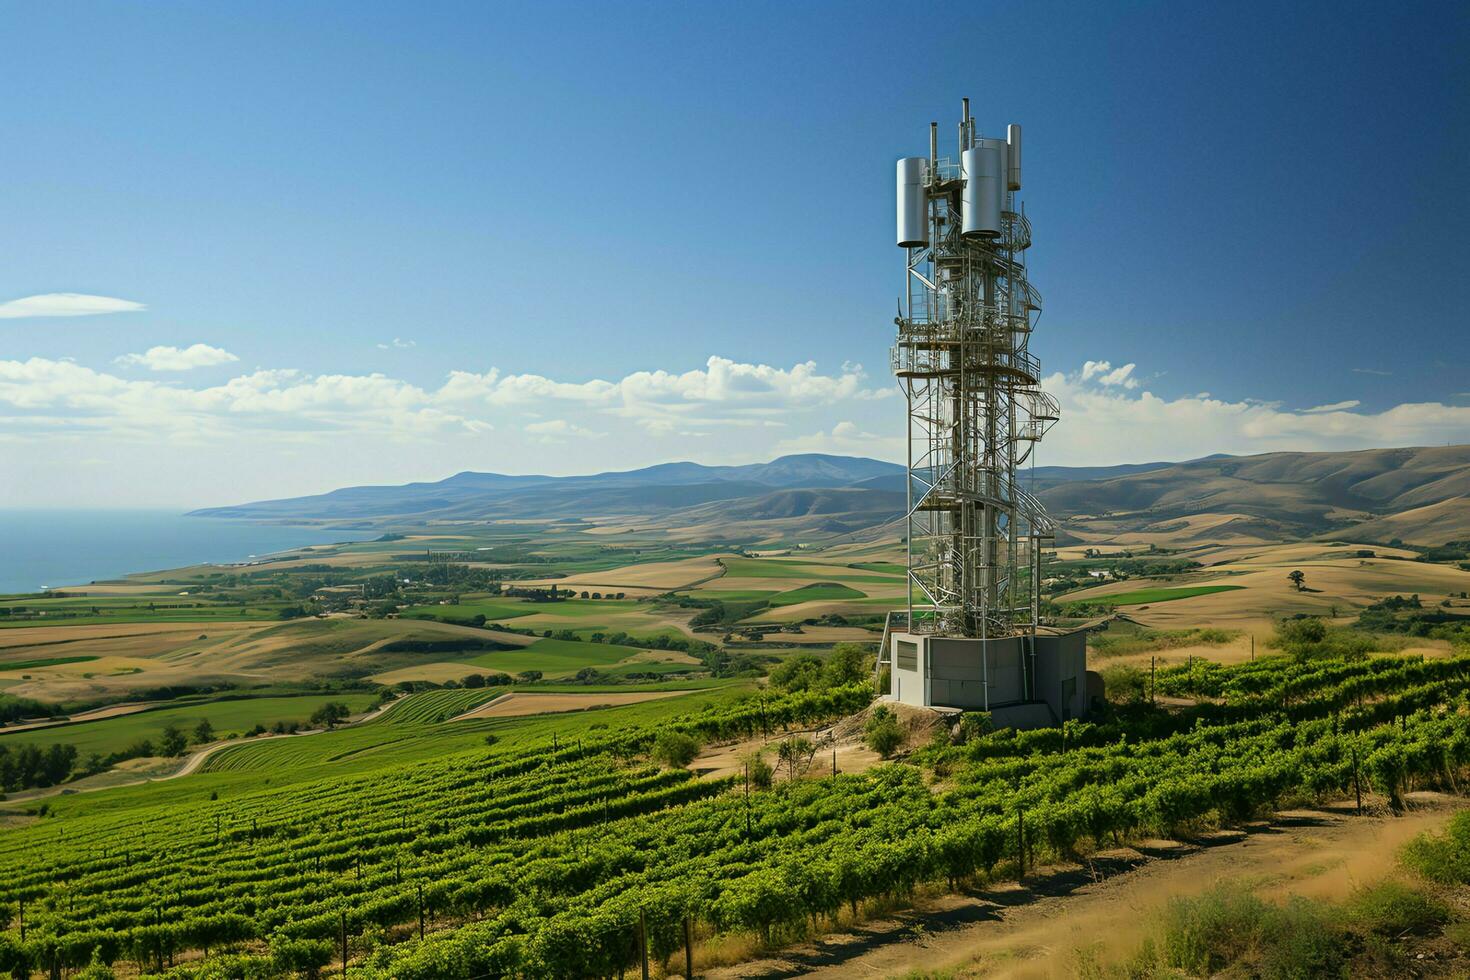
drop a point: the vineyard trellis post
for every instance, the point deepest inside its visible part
(688, 947)
(1152, 662)
(421, 910)
(1020, 843)
(344, 944)
(834, 760)
(1357, 788)
(643, 941)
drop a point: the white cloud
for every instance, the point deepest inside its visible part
(1105, 374)
(1106, 423)
(1386, 374)
(398, 344)
(844, 438)
(178, 359)
(60, 395)
(65, 304)
(663, 400)
(558, 430)
(1334, 407)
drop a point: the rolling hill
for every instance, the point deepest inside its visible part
(1419, 495)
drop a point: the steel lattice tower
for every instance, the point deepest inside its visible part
(975, 407)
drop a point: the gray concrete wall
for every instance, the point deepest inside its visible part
(958, 671)
(1061, 673)
(939, 671)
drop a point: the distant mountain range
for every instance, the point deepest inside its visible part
(495, 496)
(1418, 495)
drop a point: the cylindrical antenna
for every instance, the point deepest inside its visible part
(967, 130)
(933, 150)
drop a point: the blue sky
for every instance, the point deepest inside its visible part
(327, 210)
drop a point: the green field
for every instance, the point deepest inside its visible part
(236, 716)
(501, 609)
(553, 657)
(77, 616)
(44, 662)
(733, 595)
(817, 592)
(430, 707)
(1141, 596)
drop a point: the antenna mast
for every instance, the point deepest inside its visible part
(975, 406)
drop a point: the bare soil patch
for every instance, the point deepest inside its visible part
(520, 704)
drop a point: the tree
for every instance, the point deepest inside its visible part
(204, 731)
(799, 673)
(883, 733)
(329, 714)
(173, 741)
(674, 749)
(527, 676)
(474, 680)
(847, 665)
(1297, 579)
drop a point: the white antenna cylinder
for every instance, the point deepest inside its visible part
(981, 201)
(1013, 156)
(913, 203)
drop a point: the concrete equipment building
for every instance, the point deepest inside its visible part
(971, 637)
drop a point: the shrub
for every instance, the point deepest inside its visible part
(883, 733)
(1392, 908)
(1229, 927)
(1444, 858)
(761, 773)
(674, 749)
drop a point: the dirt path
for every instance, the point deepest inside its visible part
(1035, 930)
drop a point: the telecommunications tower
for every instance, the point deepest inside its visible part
(975, 409)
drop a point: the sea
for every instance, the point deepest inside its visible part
(54, 548)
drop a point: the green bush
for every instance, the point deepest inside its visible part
(1229, 929)
(883, 733)
(674, 749)
(1392, 908)
(1444, 858)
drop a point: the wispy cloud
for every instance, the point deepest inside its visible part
(65, 304)
(1334, 407)
(398, 344)
(1384, 374)
(178, 359)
